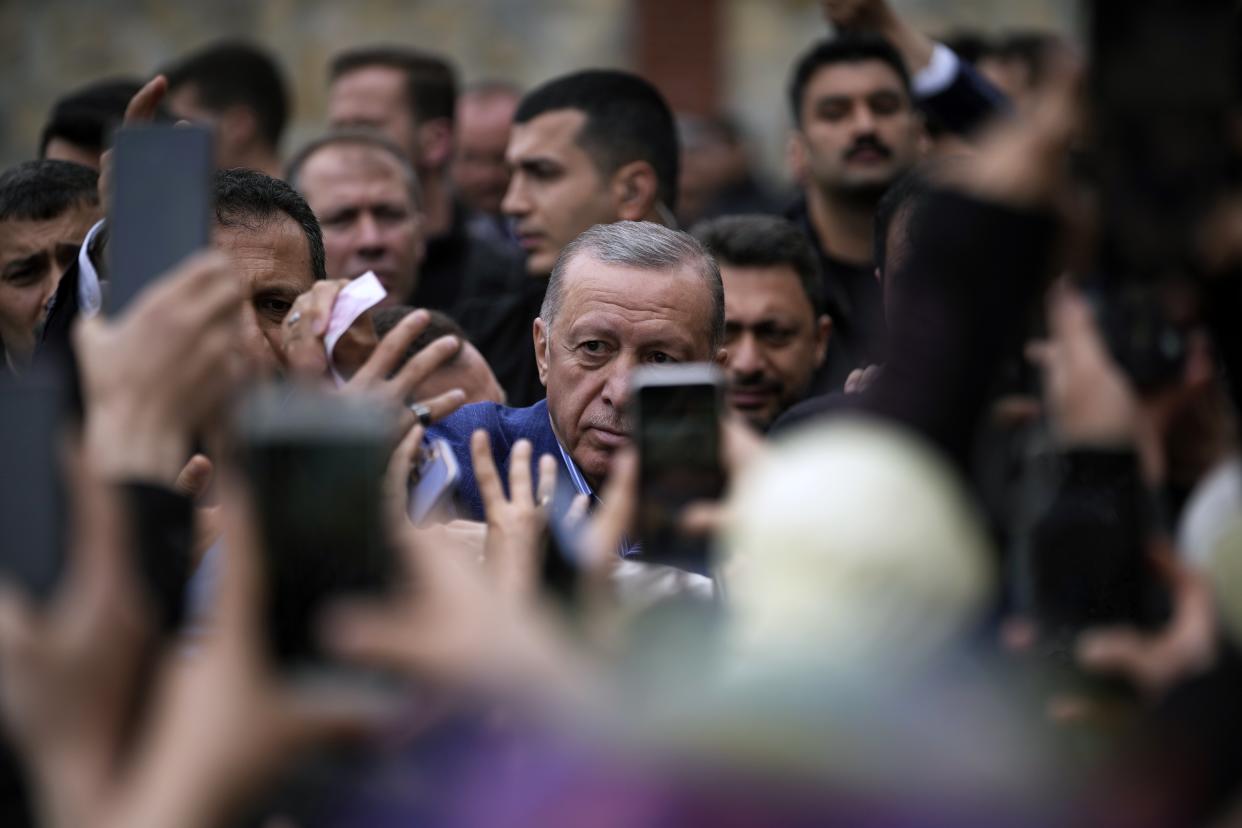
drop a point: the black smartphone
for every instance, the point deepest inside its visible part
(315, 462)
(161, 207)
(677, 411)
(32, 514)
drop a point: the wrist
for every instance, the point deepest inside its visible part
(70, 790)
(127, 446)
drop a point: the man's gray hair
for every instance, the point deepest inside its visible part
(356, 137)
(642, 245)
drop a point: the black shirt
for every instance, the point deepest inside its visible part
(460, 267)
(500, 326)
(855, 304)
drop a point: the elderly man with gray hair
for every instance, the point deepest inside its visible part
(620, 296)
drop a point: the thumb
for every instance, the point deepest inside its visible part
(195, 477)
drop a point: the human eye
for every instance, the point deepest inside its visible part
(337, 221)
(885, 103)
(833, 110)
(777, 335)
(390, 214)
(659, 358)
(273, 306)
(542, 170)
(23, 276)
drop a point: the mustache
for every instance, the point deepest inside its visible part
(754, 382)
(868, 142)
(620, 424)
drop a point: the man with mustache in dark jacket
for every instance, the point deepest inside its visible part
(858, 130)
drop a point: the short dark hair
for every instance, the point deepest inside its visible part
(236, 73)
(441, 324)
(42, 190)
(359, 138)
(627, 119)
(250, 199)
(764, 241)
(86, 116)
(850, 48)
(431, 82)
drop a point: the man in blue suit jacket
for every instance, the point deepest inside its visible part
(620, 296)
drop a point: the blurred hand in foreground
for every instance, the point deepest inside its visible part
(68, 670)
(1156, 661)
(1087, 396)
(161, 371)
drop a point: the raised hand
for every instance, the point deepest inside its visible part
(160, 371)
(516, 524)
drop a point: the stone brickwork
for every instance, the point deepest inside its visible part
(50, 46)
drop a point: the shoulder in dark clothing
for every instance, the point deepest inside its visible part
(459, 267)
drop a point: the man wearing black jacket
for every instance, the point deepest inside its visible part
(855, 101)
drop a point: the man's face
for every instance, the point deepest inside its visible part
(479, 170)
(362, 199)
(273, 266)
(774, 340)
(859, 129)
(468, 371)
(375, 97)
(556, 191)
(33, 257)
(184, 103)
(613, 319)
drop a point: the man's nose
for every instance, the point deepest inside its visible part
(251, 342)
(369, 235)
(515, 202)
(745, 355)
(864, 120)
(616, 392)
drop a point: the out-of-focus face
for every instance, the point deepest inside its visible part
(33, 257)
(556, 191)
(375, 97)
(859, 128)
(480, 171)
(361, 196)
(468, 371)
(774, 340)
(59, 149)
(273, 265)
(613, 319)
(185, 104)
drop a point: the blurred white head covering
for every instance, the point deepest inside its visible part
(852, 547)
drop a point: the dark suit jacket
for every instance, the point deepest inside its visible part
(505, 426)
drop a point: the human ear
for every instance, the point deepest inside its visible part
(823, 333)
(634, 191)
(435, 142)
(540, 335)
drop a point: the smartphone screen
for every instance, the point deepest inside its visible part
(32, 553)
(315, 463)
(161, 208)
(678, 428)
(434, 481)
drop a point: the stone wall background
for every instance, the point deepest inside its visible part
(50, 46)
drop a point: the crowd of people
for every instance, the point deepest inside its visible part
(977, 557)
